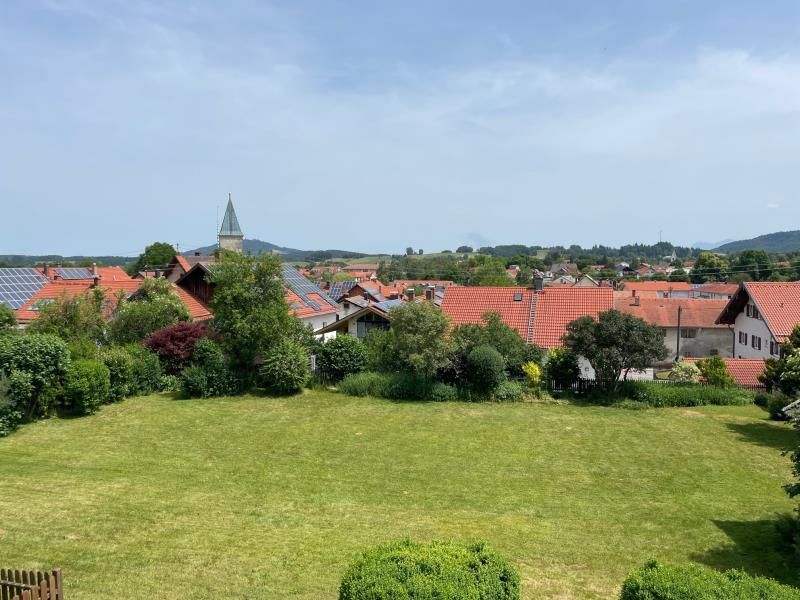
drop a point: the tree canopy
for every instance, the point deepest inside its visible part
(157, 254)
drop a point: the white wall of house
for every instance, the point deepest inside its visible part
(706, 342)
(752, 327)
(320, 321)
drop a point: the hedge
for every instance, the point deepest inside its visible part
(654, 581)
(86, 386)
(669, 394)
(437, 571)
(393, 386)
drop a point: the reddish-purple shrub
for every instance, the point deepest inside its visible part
(174, 344)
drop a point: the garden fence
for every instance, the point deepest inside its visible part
(31, 585)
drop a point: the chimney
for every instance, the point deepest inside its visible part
(94, 269)
(366, 295)
(538, 283)
(429, 293)
(96, 281)
(410, 293)
(197, 254)
(47, 270)
(637, 301)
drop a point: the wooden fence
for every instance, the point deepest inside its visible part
(31, 585)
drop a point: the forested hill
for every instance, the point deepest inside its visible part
(253, 246)
(781, 241)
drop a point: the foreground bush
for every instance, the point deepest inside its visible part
(436, 571)
(14, 392)
(86, 386)
(393, 386)
(509, 391)
(45, 358)
(658, 582)
(486, 370)
(685, 372)
(208, 375)
(340, 357)
(174, 345)
(666, 394)
(286, 367)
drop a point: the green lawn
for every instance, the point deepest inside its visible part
(271, 498)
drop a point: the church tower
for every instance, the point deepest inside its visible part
(230, 234)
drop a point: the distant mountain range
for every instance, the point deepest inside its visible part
(781, 241)
(252, 246)
(711, 245)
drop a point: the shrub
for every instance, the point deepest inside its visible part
(441, 392)
(76, 318)
(174, 345)
(146, 369)
(561, 369)
(509, 391)
(154, 305)
(668, 394)
(286, 367)
(715, 371)
(685, 372)
(208, 375)
(774, 404)
(45, 358)
(659, 582)
(15, 391)
(533, 374)
(340, 357)
(87, 385)
(393, 386)
(120, 367)
(436, 571)
(381, 353)
(485, 369)
(169, 383)
(8, 319)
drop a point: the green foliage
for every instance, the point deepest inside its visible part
(492, 273)
(659, 395)
(392, 386)
(8, 319)
(615, 343)
(441, 392)
(685, 372)
(169, 383)
(485, 370)
(120, 368)
(45, 358)
(208, 375)
(654, 581)
(561, 368)
(509, 391)
(793, 489)
(715, 372)
(709, 267)
(146, 370)
(286, 367)
(155, 305)
(157, 254)
(533, 374)
(419, 339)
(436, 571)
(755, 264)
(87, 385)
(16, 392)
(249, 308)
(493, 332)
(76, 319)
(341, 356)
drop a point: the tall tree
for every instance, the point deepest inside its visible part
(419, 338)
(157, 254)
(709, 267)
(614, 344)
(756, 264)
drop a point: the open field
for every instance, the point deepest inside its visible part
(271, 498)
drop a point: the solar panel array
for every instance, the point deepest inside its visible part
(338, 288)
(303, 287)
(17, 286)
(74, 273)
(388, 305)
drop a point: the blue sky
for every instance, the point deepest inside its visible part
(378, 125)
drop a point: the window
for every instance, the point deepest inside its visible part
(743, 338)
(752, 312)
(755, 342)
(774, 348)
(688, 334)
(748, 310)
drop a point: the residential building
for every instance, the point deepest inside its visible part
(657, 289)
(439, 284)
(745, 371)
(763, 315)
(717, 291)
(359, 320)
(585, 281)
(689, 324)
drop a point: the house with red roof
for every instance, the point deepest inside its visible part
(689, 324)
(745, 371)
(717, 291)
(762, 315)
(657, 289)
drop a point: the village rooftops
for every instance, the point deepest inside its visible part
(778, 304)
(663, 312)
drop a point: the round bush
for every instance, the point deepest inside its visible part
(341, 356)
(208, 375)
(441, 392)
(440, 571)
(286, 367)
(509, 391)
(120, 368)
(86, 386)
(485, 369)
(685, 372)
(45, 357)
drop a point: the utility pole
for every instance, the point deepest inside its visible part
(678, 354)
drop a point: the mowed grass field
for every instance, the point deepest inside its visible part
(265, 498)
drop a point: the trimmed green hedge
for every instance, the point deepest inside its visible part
(669, 394)
(436, 571)
(86, 386)
(654, 581)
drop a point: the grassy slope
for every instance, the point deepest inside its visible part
(265, 498)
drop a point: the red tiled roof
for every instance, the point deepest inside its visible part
(197, 310)
(728, 289)
(298, 308)
(464, 305)
(745, 371)
(361, 267)
(656, 286)
(184, 264)
(696, 312)
(779, 305)
(407, 283)
(556, 307)
(539, 317)
(51, 291)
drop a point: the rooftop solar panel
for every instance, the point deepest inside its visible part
(17, 286)
(74, 273)
(303, 287)
(388, 305)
